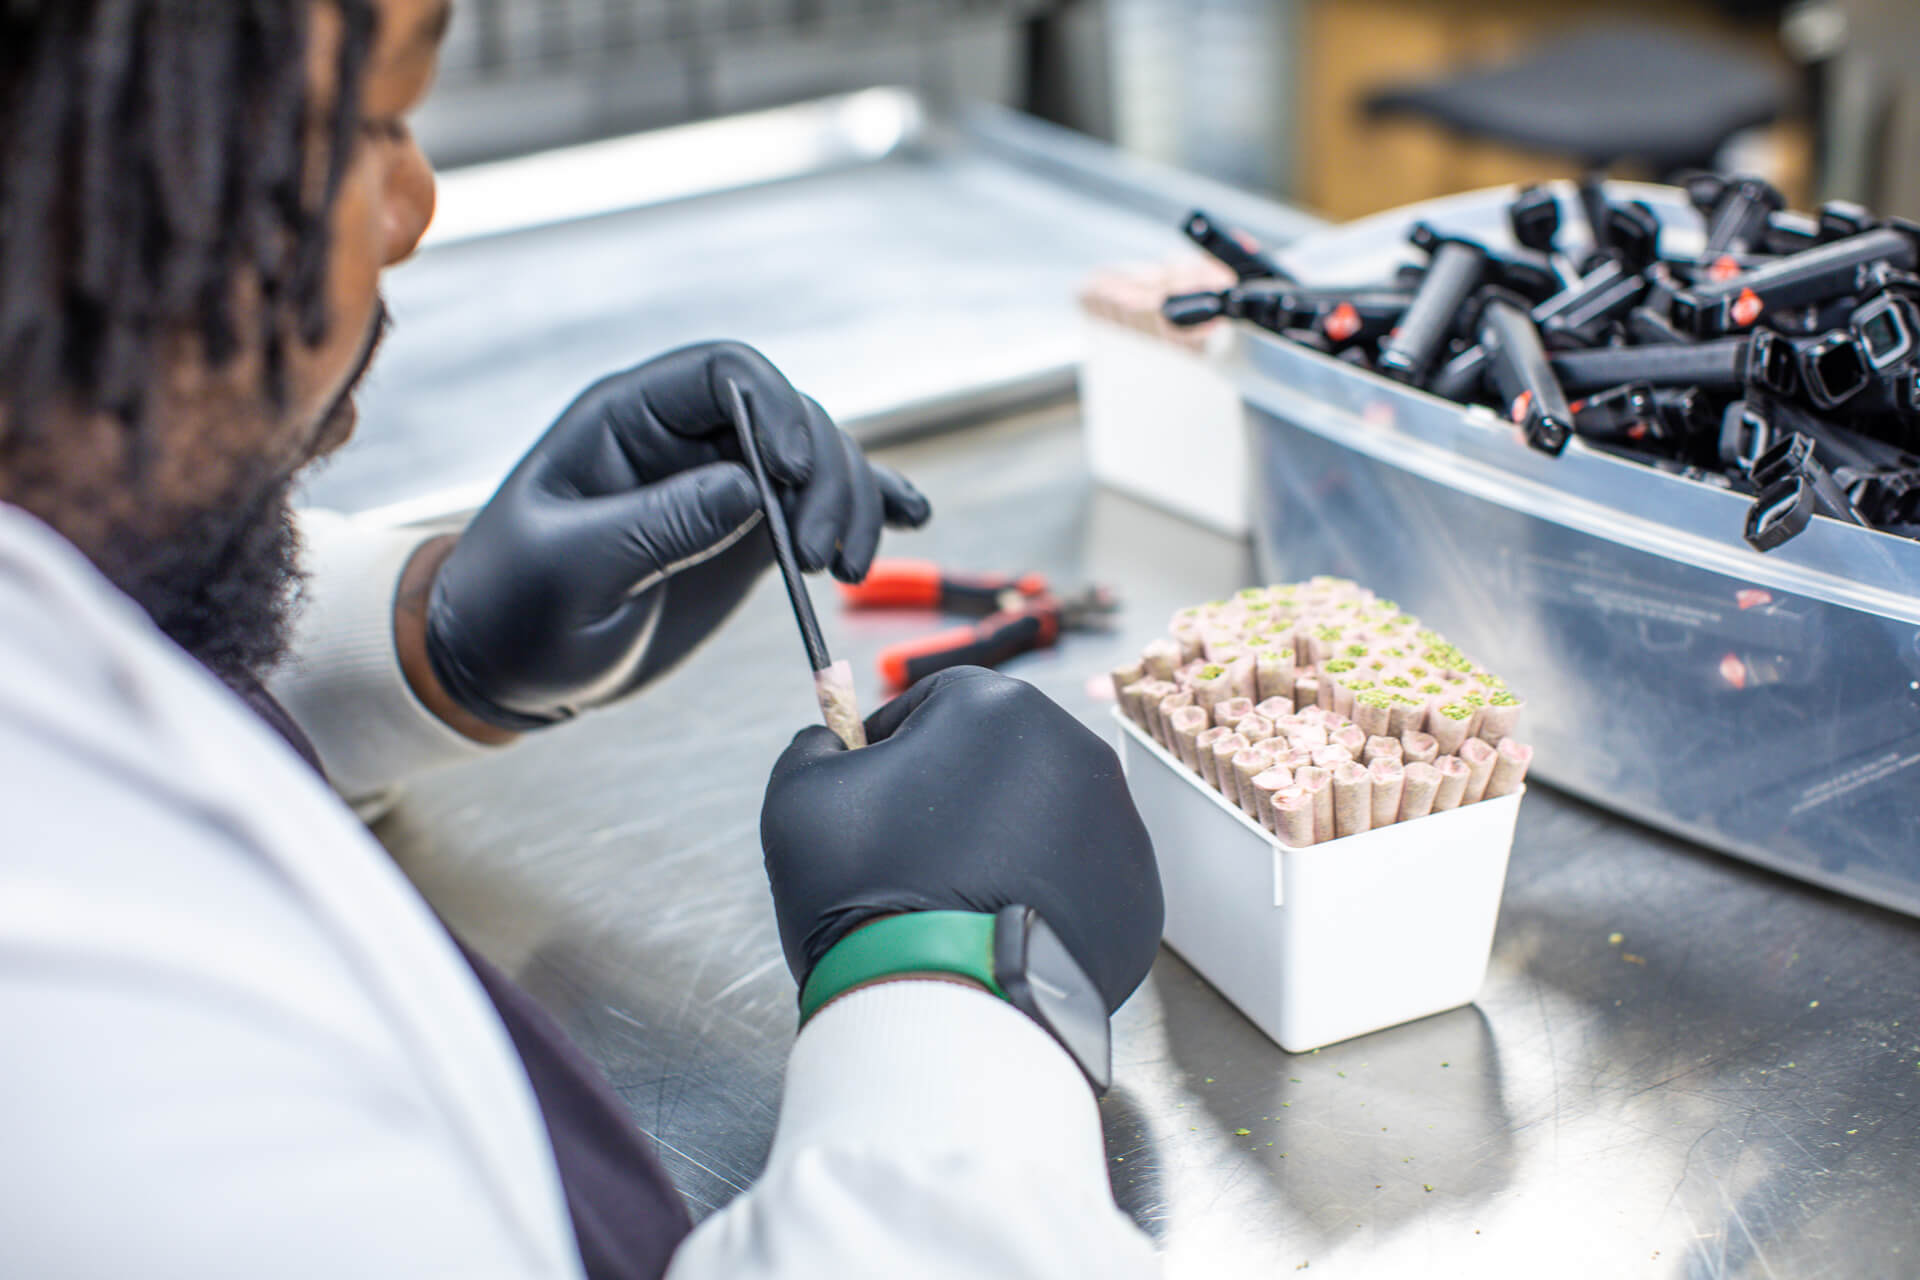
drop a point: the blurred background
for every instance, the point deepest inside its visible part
(1343, 107)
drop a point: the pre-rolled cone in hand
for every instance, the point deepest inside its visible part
(839, 705)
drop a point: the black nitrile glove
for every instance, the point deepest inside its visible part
(977, 793)
(628, 534)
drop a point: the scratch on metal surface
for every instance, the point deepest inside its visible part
(751, 975)
(660, 1141)
(627, 1018)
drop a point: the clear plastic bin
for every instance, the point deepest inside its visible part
(1767, 705)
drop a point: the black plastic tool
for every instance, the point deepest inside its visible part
(1238, 251)
(1807, 279)
(1518, 369)
(1719, 365)
(782, 534)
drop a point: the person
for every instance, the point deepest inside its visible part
(238, 1043)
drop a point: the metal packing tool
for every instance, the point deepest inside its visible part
(832, 681)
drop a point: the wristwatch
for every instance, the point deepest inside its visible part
(1012, 953)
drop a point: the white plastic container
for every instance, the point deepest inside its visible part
(1322, 944)
(1166, 424)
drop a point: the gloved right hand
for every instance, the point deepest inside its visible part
(977, 793)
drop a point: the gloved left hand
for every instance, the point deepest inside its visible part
(631, 531)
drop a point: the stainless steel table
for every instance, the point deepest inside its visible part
(1679, 1066)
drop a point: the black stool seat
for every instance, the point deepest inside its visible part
(1606, 94)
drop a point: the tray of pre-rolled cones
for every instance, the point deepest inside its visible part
(1332, 790)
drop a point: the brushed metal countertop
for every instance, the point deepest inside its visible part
(1731, 1090)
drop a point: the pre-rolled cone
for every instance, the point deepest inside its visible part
(1480, 758)
(1453, 783)
(1382, 748)
(1203, 752)
(1275, 709)
(1421, 782)
(1372, 711)
(1318, 783)
(1254, 727)
(1352, 800)
(1293, 819)
(1351, 737)
(1223, 753)
(1240, 676)
(1248, 764)
(1420, 748)
(1133, 702)
(1150, 704)
(1232, 711)
(1332, 756)
(1306, 692)
(1164, 657)
(1188, 724)
(1273, 673)
(1211, 686)
(1449, 725)
(1406, 714)
(1510, 770)
(1131, 673)
(1268, 784)
(839, 705)
(1501, 718)
(1389, 785)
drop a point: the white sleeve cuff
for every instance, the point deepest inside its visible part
(343, 685)
(936, 1067)
(933, 1131)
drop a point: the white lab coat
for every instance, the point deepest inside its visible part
(235, 1042)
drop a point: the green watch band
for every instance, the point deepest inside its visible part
(957, 942)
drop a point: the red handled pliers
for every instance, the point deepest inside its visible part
(1018, 613)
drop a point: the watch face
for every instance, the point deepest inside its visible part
(1042, 980)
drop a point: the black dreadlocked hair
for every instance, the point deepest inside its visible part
(156, 159)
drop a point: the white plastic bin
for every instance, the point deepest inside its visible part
(1166, 424)
(1322, 944)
